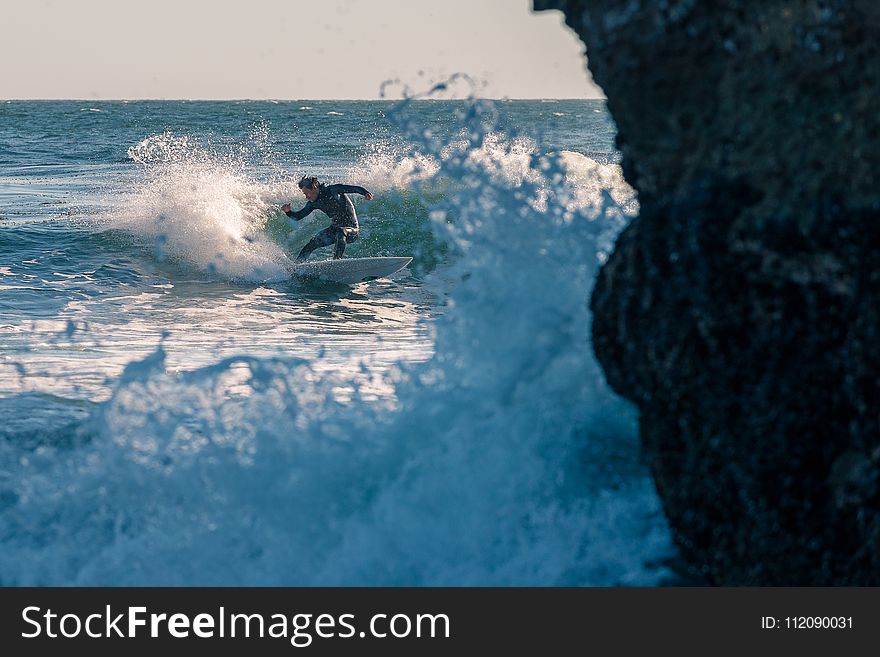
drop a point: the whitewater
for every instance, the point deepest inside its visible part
(177, 411)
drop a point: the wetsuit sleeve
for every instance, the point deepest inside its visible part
(351, 189)
(299, 214)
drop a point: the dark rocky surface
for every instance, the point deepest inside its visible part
(741, 310)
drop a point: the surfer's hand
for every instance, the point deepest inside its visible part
(369, 196)
(285, 208)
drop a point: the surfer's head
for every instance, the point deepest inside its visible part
(310, 186)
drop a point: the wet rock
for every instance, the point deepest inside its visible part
(741, 310)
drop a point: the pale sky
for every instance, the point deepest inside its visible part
(280, 49)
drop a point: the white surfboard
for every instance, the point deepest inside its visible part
(350, 270)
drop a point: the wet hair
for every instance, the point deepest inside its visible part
(309, 182)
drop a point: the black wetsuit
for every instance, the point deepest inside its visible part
(343, 229)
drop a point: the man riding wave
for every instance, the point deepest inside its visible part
(332, 201)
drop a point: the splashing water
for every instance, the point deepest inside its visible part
(206, 215)
(493, 466)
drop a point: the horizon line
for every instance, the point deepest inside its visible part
(286, 100)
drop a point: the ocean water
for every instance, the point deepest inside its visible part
(176, 410)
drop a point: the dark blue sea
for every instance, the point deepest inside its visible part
(175, 409)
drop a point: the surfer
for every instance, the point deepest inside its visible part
(332, 201)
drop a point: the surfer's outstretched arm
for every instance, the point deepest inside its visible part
(299, 214)
(354, 189)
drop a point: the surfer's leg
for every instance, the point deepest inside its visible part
(307, 250)
(324, 238)
(340, 245)
(344, 236)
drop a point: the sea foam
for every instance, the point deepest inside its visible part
(490, 468)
